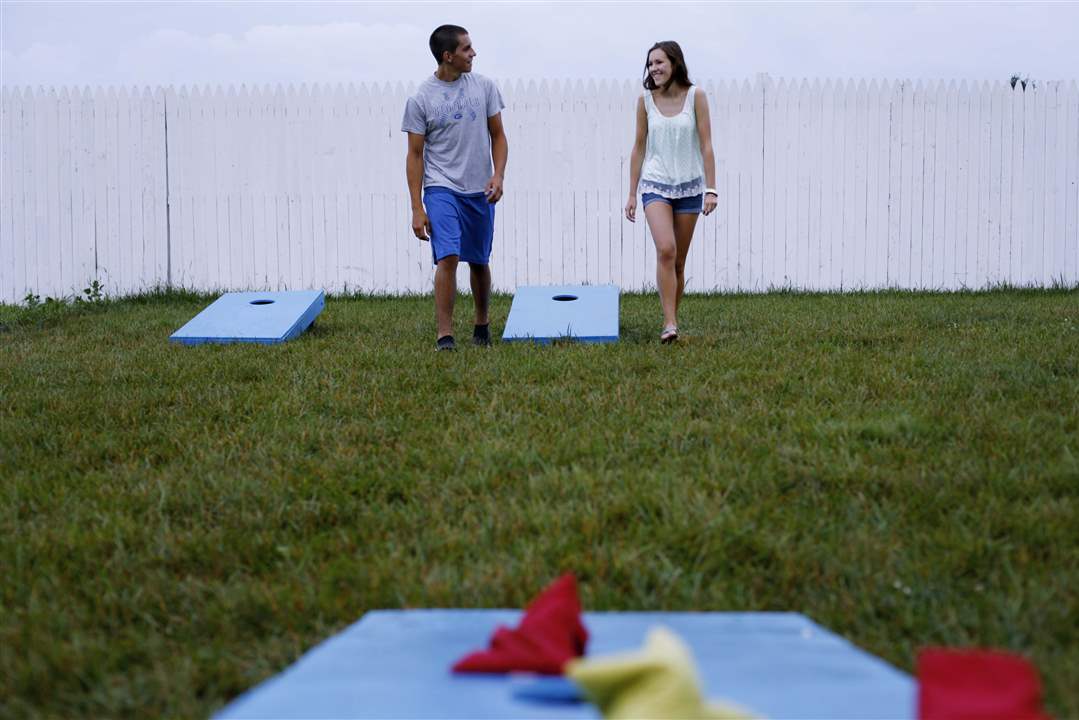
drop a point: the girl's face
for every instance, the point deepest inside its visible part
(659, 67)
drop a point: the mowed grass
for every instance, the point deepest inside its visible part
(179, 523)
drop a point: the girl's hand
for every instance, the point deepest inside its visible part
(631, 208)
(710, 202)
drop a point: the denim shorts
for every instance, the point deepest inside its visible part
(692, 205)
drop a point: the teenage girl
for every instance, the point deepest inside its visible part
(673, 163)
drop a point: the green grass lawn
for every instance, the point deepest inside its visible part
(179, 523)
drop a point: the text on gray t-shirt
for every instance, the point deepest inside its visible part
(452, 117)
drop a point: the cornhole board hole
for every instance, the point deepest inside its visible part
(253, 317)
(544, 313)
(396, 664)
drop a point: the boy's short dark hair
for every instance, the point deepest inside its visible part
(445, 39)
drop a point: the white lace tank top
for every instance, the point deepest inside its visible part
(673, 166)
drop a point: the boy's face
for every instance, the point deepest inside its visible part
(461, 58)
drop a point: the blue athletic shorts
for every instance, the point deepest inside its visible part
(681, 206)
(461, 225)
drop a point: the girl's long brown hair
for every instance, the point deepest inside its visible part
(679, 71)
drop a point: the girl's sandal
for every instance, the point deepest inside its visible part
(669, 335)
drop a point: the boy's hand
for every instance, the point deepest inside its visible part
(493, 191)
(421, 225)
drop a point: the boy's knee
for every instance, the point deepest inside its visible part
(449, 262)
(680, 267)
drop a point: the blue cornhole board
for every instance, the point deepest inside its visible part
(254, 317)
(543, 313)
(396, 664)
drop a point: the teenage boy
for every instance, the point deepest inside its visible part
(454, 126)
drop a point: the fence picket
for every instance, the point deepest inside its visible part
(784, 255)
(13, 285)
(946, 276)
(869, 201)
(817, 151)
(820, 275)
(803, 173)
(61, 180)
(942, 181)
(1071, 186)
(856, 253)
(966, 257)
(7, 234)
(929, 195)
(877, 248)
(1054, 186)
(175, 102)
(131, 201)
(984, 172)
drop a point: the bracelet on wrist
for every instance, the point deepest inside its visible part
(711, 191)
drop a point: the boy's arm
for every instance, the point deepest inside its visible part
(499, 154)
(421, 226)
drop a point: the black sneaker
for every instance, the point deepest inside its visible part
(481, 335)
(446, 343)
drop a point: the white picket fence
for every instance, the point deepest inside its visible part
(834, 185)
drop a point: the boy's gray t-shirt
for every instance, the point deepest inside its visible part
(453, 118)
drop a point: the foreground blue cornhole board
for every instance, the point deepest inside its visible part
(542, 313)
(255, 317)
(396, 664)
